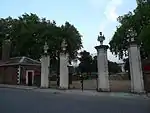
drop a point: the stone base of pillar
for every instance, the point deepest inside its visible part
(138, 92)
(44, 87)
(62, 88)
(103, 90)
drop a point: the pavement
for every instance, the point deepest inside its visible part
(76, 92)
(17, 86)
(93, 93)
(32, 101)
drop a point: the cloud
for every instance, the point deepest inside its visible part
(108, 6)
(108, 18)
(111, 10)
(110, 14)
(103, 25)
(97, 3)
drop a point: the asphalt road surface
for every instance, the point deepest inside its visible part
(28, 101)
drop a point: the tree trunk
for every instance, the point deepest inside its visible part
(58, 68)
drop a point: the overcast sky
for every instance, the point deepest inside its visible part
(88, 16)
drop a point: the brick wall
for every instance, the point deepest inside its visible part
(8, 75)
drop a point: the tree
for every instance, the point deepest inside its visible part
(113, 67)
(127, 66)
(145, 37)
(89, 64)
(134, 24)
(94, 64)
(28, 34)
(5, 31)
(73, 38)
(85, 62)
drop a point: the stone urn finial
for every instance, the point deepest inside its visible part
(101, 38)
(64, 45)
(46, 48)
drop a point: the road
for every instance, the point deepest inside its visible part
(28, 101)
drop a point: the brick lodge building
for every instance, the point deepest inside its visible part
(18, 70)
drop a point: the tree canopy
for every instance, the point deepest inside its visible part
(28, 34)
(113, 67)
(88, 64)
(85, 61)
(134, 24)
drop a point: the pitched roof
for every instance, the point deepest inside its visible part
(20, 61)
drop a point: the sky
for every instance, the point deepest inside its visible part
(89, 16)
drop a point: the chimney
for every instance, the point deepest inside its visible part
(6, 50)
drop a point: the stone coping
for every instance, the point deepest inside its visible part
(102, 46)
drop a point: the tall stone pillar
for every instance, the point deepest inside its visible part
(136, 73)
(45, 63)
(102, 64)
(64, 75)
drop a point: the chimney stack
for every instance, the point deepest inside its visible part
(6, 50)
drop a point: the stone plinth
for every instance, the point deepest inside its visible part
(102, 64)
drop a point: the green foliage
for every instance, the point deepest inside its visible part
(145, 37)
(28, 34)
(134, 24)
(94, 64)
(127, 66)
(89, 64)
(113, 67)
(85, 62)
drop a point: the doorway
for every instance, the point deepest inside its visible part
(29, 77)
